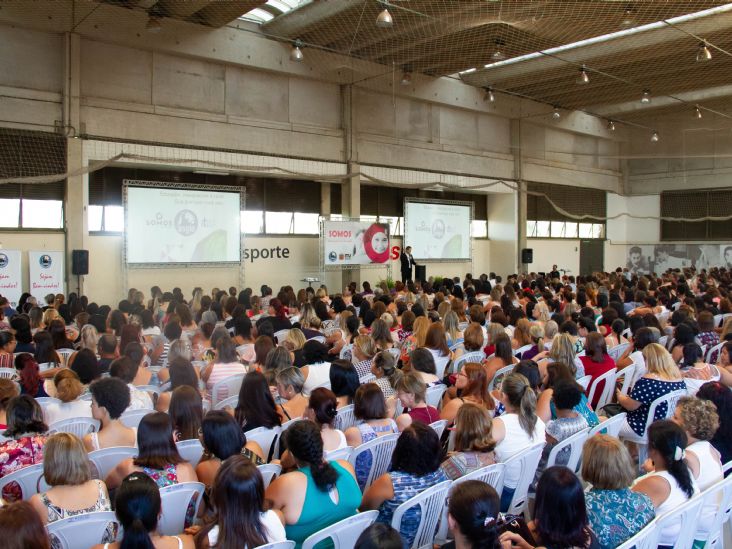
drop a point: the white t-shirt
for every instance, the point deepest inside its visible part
(274, 530)
(515, 441)
(139, 400)
(318, 376)
(66, 410)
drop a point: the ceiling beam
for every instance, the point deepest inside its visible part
(219, 13)
(296, 22)
(635, 107)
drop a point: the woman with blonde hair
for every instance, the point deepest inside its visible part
(521, 335)
(536, 332)
(663, 377)
(444, 308)
(381, 334)
(89, 338)
(416, 340)
(541, 313)
(294, 342)
(452, 331)
(474, 444)
(563, 350)
(68, 390)
(615, 512)
(551, 329)
(364, 350)
(49, 316)
(73, 490)
(411, 392)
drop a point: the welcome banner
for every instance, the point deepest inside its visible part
(46, 273)
(10, 276)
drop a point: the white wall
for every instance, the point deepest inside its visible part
(561, 252)
(630, 230)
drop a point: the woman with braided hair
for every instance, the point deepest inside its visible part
(318, 493)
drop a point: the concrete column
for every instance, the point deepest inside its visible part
(351, 189)
(325, 199)
(521, 196)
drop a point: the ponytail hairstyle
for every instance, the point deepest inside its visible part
(692, 354)
(522, 398)
(323, 403)
(669, 440)
(387, 363)
(304, 441)
(618, 327)
(474, 507)
(137, 506)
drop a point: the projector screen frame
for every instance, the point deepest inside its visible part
(405, 238)
(348, 267)
(241, 191)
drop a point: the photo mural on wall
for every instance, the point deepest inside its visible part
(658, 258)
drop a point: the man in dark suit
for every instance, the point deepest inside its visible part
(407, 262)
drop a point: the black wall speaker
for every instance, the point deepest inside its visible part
(80, 262)
(527, 255)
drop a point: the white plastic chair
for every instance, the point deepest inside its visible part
(190, 450)
(714, 351)
(627, 374)
(726, 467)
(149, 388)
(280, 335)
(84, 531)
(343, 533)
(278, 545)
(106, 459)
(341, 454)
(230, 402)
(43, 402)
(345, 418)
(174, 504)
(662, 341)
(574, 444)
(27, 478)
(8, 373)
(433, 397)
(381, 449)
(719, 495)
(319, 339)
(78, 426)
(670, 400)
(617, 351)
(346, 352)
(285, 426)
(65, 354)
(611, 426)
(686, 515)
(473, 356)
(269, 472)
(441, 365)
(498, 377)
(647, 538)
(608, 378)
(229, 386)
(455, 346)
(528, 461)
(395, 352)
(265, 437)
(132, 418)
(521, 350)
(584, 381)
(430, 503)
(439, 427)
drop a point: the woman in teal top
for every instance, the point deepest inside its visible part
(319, 493)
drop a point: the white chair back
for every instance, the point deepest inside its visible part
(433, 397)
(190, 450)
(174, 505)
(343, 454)
(718, 495)
(686, 516)
(319, 339)
(8, 373)
(584, 381)
(345, 418)
(346, 352)
(132, 418)
(78, 426)
(45, 401)
(726, 467)
(65, 354)
(84, 531)
(645, 539)
(574, 445)
(106, 459)
(278, 545)
(27, 479)
(521, 350)
(285, 426)
(343, 533)
(395, 352)
(528, 461)
(439, 426)
(269, 472)
(149, 388)
(381, 449)
(611, 426)
(441, 365)
(230, 402)
(225, 388)
(662, 341)
(714, 352)
(455, 346)
(617, 351)
(280, 335)
(473, 356)
(266, 438)
(430, 503)
(627, 374)
(608, 388)
(498, 376)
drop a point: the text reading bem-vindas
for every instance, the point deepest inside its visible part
(253, 254)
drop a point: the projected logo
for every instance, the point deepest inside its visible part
(45, 261)
(4, 261)
(186, 222)
(438, 229)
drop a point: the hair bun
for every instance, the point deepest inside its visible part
(331, 411)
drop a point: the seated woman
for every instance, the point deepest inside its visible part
(256, 407)
(318, 493)
(616, 337)
(226, 364)
(614, 511)
(696, 372)
(343, 381)
(157, 455)
(46, 354)
(277, 359)
(663, 377)
(182, 373)
(472, 516)
(473, 442)
(596, 362)
(21, 528)
(7, 347)
(721, 397)
(415, 466)
(31, 382)
(8, 391)
(503, 356)
(422, 363)
(472, 386)
(73, 491)
(317, 371)
(363, 352)
(240, 518)
(454, 335)
(374, 421)
(545, 408)
(411, 392)
(223, 438)
(670, 484)
(25, 438)
(560, 516)
(186, 413)
(416, 339)
(436, 342)
(110, 398)
(138, 509)
(563, 350)
(68, 391)
(289, 387)
(381, 335)
(385, 370)
(294, 342)
(536, 334)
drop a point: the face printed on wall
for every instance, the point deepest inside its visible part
(379, 242)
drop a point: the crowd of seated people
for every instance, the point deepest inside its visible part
(224, 367)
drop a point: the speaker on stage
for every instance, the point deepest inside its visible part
(527, 255)
(420, 273)
(80, 262)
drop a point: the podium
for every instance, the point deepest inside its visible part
(420, 273)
